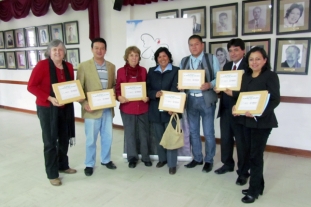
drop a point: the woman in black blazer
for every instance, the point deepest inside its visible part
(257, 129)
(164, 76)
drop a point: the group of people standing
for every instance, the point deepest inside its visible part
(250, 133)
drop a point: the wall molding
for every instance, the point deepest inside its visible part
(269, 148)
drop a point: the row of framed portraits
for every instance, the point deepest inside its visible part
(40, 36)
(293, 16)
(291, 54)
(28, 59)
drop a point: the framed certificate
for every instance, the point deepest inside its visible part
(255, 102)
(229, 79)
(134, 91)
(190, 79)
(68, 92)
(101, 99)
(172, 101)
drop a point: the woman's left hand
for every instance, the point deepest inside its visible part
(248, 114)
(145, 99)
(54, 101)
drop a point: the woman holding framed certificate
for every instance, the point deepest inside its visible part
(164, 76)
(134, 114)
(258, 128)
(57, 120)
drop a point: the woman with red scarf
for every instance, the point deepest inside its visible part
(134, 113)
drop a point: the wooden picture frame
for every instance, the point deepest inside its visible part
(257, 17)
(9, 39)
(292, 56)
(2, 42)
(172, 101)
(229, 79)
(71, 32)
(224, 20)
(31, 37)
(68, 92)
(101, 99)
(43, 35)
(293, 16)
(56, 32)
(219, 49)
(168, 14)
(134, 91)
(73, 56)
(21, 59)
(19, 36)
(2, 60)
(263, 43)
(254, 102)
(190, 79)
(32, 57)
(41, 55)
(198, 14)
(10, 59)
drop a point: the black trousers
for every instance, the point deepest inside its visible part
(230, 132)
(55, 148)
(256, 140)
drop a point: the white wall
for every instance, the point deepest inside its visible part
(294, 123)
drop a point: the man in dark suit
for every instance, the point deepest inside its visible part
(292, 57)
(196, 27)
(229, 128)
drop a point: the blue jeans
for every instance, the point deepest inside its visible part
(196, 108)
(102, 125)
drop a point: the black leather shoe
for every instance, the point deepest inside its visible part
(244, 192)
(207, 167)
(132, 164)
(193, 163)
(161, 164)
(110, 165)
(148, 164)
(172, 170)
(241, 180)
(248, 199)
(223, 170)
(88, 171)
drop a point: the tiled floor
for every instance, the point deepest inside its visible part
(23, 180)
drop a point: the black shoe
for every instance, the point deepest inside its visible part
(88, 171)
(242, 180)
(244, 192)
(193, 163)
(132, 164)
(148, 164)
(172, 170)
(207, 167)
(223, 170)
(110, 165)
(249, 199)
(161, 164)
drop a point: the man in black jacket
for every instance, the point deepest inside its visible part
(229, 128)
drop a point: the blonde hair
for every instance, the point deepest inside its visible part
(130, 49)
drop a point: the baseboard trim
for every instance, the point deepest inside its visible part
(269, 148)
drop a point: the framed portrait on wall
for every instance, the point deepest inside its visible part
(56, 32)
(2, 60)
(10, 59)
(41, 55)
(293, 16)
(263, 43)
(2, 45)
(257, 17)
(198, 14)
(168, 14)
(19, 36)
(224, 20)
(31, 37)
(32, 57)
(292, 55)
(73, 56)
(43, 35)
(9, 39)
(219, 49)
(21, 61)
(71, 32)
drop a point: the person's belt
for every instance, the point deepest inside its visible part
(196, 94)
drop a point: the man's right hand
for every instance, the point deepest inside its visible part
(87, 108)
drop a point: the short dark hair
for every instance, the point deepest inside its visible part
(162, 49)
(99, 39)
(294, 6)
(236, 43)
(195, 37)
(223, 14)
(267, 65)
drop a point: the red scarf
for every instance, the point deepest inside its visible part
(131, 72)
